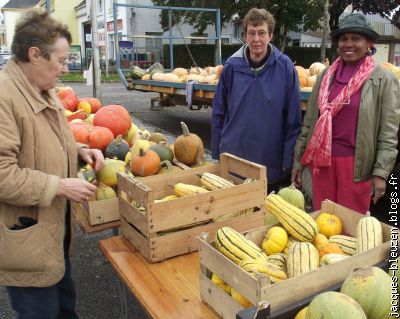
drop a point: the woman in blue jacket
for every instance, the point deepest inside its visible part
(256, 109)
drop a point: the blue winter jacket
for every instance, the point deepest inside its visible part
(256, 114)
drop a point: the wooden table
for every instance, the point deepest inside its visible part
(83, 223)
(169, 289)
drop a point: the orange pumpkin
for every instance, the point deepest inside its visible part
(320, 241)
(69, 104)
(329, 224)
(93, 136)
(114, 117)
(62, 92)
(146, 163)
(80, 114)
(188, 147)
(330, 248)
(95, 104)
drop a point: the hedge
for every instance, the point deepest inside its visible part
(203, 54)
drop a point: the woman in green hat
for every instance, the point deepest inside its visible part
(349, 133)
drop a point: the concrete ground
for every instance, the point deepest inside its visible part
(96, 281)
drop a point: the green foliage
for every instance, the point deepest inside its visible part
(289, 15)
(384, 8)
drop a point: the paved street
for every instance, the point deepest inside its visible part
(96, 281)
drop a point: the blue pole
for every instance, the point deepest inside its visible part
(48, 6)
(116, 46)
(219, 57)
(171, 50)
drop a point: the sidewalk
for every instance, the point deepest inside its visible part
(96, 284)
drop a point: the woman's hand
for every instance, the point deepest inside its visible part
(296, 176)
(76, 189)
(92, 155)
(378, 188)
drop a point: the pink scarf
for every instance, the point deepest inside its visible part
(319, 149)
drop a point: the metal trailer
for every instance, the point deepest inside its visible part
(170, 37)
(171, 93)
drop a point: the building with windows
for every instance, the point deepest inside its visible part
(11, 12)
(140, 31)
(388, 45)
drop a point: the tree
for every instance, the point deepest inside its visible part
(290, 15)
(384, 8)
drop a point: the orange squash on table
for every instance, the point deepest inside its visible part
(188, 147)
(146, 163)
(114, 117)
(329, 224)
(330, 248)
(93, 136)
(320, 241)
(95, 104)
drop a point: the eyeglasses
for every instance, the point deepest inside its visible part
(261, 34)
(62, 63)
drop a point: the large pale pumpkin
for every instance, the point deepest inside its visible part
(93, 136)
(371, 288)
(114, 117)
(292, 195)
(334, 305)
(188, 147)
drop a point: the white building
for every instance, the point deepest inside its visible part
(140, 29)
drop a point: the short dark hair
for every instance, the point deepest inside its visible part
(256, 17)
(37, 29)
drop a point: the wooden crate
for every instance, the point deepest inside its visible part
(288, 292)
(101, 211)
(151, 230)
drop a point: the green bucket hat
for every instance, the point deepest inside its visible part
(355, 23)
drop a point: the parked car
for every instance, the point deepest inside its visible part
(3, 60)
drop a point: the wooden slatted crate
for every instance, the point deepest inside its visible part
(288, 292)
(101, 211)
(165, 229)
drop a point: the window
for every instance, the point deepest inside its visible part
(153, 44)
(296, 43)
(224, 40)
(100, 6)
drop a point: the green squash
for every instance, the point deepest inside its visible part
(334, 305)
(292, 195)
(117, 148)
(371, 288)
(163, 151)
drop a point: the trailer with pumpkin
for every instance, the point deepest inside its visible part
(172, 86)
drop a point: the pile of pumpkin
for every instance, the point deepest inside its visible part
(365, 294)
(126, 147)
(392, 68)
(299, 244)
(307, 77)
(156, 72)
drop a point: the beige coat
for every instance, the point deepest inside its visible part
(37, 148)
(378, 122)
